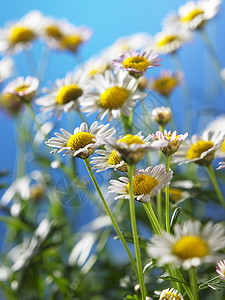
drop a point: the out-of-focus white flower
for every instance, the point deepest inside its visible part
(6, 68)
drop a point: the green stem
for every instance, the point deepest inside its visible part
(159, 196)
(193, 283)
(134, 231)
(35, 120)
(167, 199)
(152, 217)
(212, 177)
(116, 227)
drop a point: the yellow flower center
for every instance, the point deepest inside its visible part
(22, 88)
(165, 83)
(113, 97)
(20, 34)
(37, 192)
(139, 63)
(143, 184)
(192, 14)
(113, 159)
(130, 139)
(223, 146)
(175, 194)
(53, 31)
(80, 140)
(169, 295)
(198, 148)
(190, 246)
(68, 93)
(70, 42)
(166, 40)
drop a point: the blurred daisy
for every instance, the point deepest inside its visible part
(220, 269)
(65, 94)
(132, 148)
(221, 165)
(170, 294)
(10, 103)
(166, 82)
(194, 15)
(21, 34)
(174, 140)
(162, 115)
(96, 65)
(200, 149)
(114, 94)
(24, 88)
(137, 63)
(190, 246)
(146, 183)
(180, 190)
(6, 68)
(170, 40)
(83, 142)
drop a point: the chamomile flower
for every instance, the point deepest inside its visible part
(65, 94)
(96, 65)
(218, 124)
(108, 159)
(200, 149)
(10, 103)
(114, 94)
(190, 246)
(146, 183)
(83, 142)
(174, 140)
(137, 63)
(221, 165)
(6, 68)
(170, 294)
(166, 82)
(194, 15)
(132, 148)
(24, 88)
(162, 115)
(21, 34)
(220, 269)
(170, 40)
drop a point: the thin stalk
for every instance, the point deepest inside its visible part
(212, 177)
(29, 55)
(167, 198)
(159, 196)
(116, 227)
(82, 117)
(152, 217)
(35, 120)
(134, 232)
(193, 283)
(43, 64)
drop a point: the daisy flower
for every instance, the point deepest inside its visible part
(162, 115)
(194, 15)
(24, 88)
(146, 183)
(6, 68)
(10, 103)
(21, 34)
(65, 94)
(170, 294)
(220, 269)
(114, 94)
(174, 140)
(137, 63)
(190, 246)
(221, 165)
(200, 149)
(96, 65)
(83, 142)
(132, 148)
(108, 159)
(166, 82)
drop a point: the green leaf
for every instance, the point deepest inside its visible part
(15, 222)
(173, 279)
(175, 218)
(129, 297)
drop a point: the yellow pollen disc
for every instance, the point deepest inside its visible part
(139, 63)
(113, 159)
(143, 184)
(113, 97)
(53, 31)
(160, 84)
(192, 14)
(22, 88)
(80, 140)
(198, 148)
(70, 42)
(223, 146)
(130, 139)
(166, 40)
(190, 246)
(68, 93)
(169, 295)
(22, 34)
(175, 194)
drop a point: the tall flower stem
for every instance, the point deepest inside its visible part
(116, 227)
(30, 108)
(152, 217)
(167, 199)
(134, 231)
(193, 283)
(212, 177)
(159, 196)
